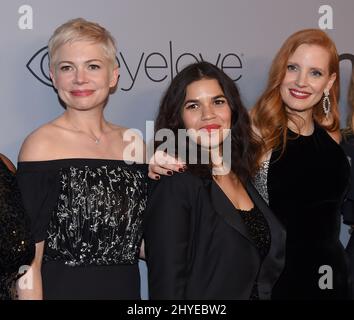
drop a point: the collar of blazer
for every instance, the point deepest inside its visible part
(273, 263)
(226, 209)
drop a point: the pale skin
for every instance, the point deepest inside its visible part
(306, 79)
(83, 77)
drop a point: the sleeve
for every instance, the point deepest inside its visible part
(168, 235)
(348, 204)
(16, 245)
(348, 210)
(38, 189)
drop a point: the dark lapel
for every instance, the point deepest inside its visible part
(273, 263)
(225, 208)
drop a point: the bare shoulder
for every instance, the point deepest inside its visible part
(7, 162)
(127, 133)
(131, 142)
(38, 144)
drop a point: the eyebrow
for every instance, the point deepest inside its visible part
(88, 61)
(196, 100)
(219, 96)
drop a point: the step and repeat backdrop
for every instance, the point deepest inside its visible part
(156, 38)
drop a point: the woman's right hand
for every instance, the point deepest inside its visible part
(162, 163)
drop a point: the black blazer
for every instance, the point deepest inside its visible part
(198, 247)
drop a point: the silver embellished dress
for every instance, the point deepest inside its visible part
(89, 213)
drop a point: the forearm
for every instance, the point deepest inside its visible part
(29, 286)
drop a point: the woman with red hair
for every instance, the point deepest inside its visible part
(305, 174)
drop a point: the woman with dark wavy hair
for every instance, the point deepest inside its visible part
(208, 233)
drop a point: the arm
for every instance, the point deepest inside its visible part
(29, 286)
(168, 237)
(142, 250)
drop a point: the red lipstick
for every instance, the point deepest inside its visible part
(299, 94)
(82, 93)
(211, 127)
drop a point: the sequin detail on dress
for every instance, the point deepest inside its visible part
(260, 234)
(261, 181)
(98, 216)
(16, 244)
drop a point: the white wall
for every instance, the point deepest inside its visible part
(241, 33)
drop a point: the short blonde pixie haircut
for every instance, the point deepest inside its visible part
(80, 29)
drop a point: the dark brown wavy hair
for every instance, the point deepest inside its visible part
(269, 114)
(245, 147)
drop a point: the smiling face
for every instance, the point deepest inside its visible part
(83, 75)
(206, 111)
(307, 77)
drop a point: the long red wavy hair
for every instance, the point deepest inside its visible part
(269, 114)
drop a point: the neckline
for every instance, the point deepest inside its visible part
(246, 212)
(295, 134)
(80, 159)
(238, 210)
(55, 164)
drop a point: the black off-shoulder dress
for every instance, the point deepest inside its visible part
(89, 213)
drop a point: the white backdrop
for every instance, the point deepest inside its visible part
(155, 38)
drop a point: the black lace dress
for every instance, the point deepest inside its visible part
(16, 243)
(89, 213)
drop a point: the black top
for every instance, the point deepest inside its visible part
(258, 229)
(16, 243)
(198, 246)
(347, 144)
(306, 186)
(88, 211)
(259, 232)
